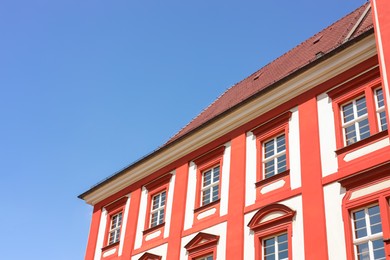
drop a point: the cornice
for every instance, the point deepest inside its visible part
(315, 75)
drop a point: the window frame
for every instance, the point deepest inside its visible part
(203, 163)
(275, 236)
(380, 110)
(211, 186)
(202, 245)
(364, 85)
(369, 238)
(274, 157)
(155, 187)
(381, 197)
(114, 209)
(265, 132)
(160, 208)
(264, 228)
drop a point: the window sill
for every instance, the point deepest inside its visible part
(110, 246)
(272, 178)
(204, 207)
(152, 229)
(363, 142)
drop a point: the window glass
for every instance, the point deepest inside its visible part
(355, 120)
(380, 109)
(115, 228)
(157, 212)
(210, 185)
(276, 248)
(368, 233)
(274, 159)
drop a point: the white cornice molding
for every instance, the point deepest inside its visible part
(310, 78)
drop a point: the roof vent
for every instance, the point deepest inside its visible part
(317, 39)
(257, 75)
(319, 54)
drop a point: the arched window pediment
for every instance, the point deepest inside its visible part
(271, 215)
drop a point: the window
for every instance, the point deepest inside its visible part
(380, 109)
(276, 248)
(272, 227)
(355, 120)
(114, 220)
(359, 110)
(115, 228)
(210, 185)
(209, 257)
(209, 177)
(157, 211)
(367, 230)
(272, 147)
(274, 159)
(202, 247)
(366, 213)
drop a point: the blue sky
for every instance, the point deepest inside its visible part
(88, 87)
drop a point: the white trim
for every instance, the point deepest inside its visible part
(141, 218)
(273, 186)
(329, 163)
(101, 233)
(367, 149)
(168, 204)
(206, 213)
(312, 77)
(225, 180)
(124, 224)
(294, 149)
(191, 195)
(250, 169)
(333, 197)
(370, 189)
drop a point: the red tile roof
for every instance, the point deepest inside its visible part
(298, 57)
(304, 54)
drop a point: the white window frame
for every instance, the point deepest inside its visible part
(274, 157)
(159, 210)
(115, 228)
(370, 237)
(380, 109)
(276, 246)
(355, 121)
(212, 184)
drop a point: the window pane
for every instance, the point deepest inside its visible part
(379, 249)
(269, 149)
(348, 112)
(161, 219)
(363, 252)
(350, 134)
(207, 178)
(379, 96)
(269, 169)
(215, 193)
(206, 197)
(216, 174)
(282, 163)
(361, 106)
(283, 255)
(281, 143)
(382, 119)
(364, 129)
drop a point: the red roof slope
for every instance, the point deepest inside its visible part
(321, 43)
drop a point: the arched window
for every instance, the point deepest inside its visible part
(272, 226)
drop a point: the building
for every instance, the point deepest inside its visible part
(292, 162)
